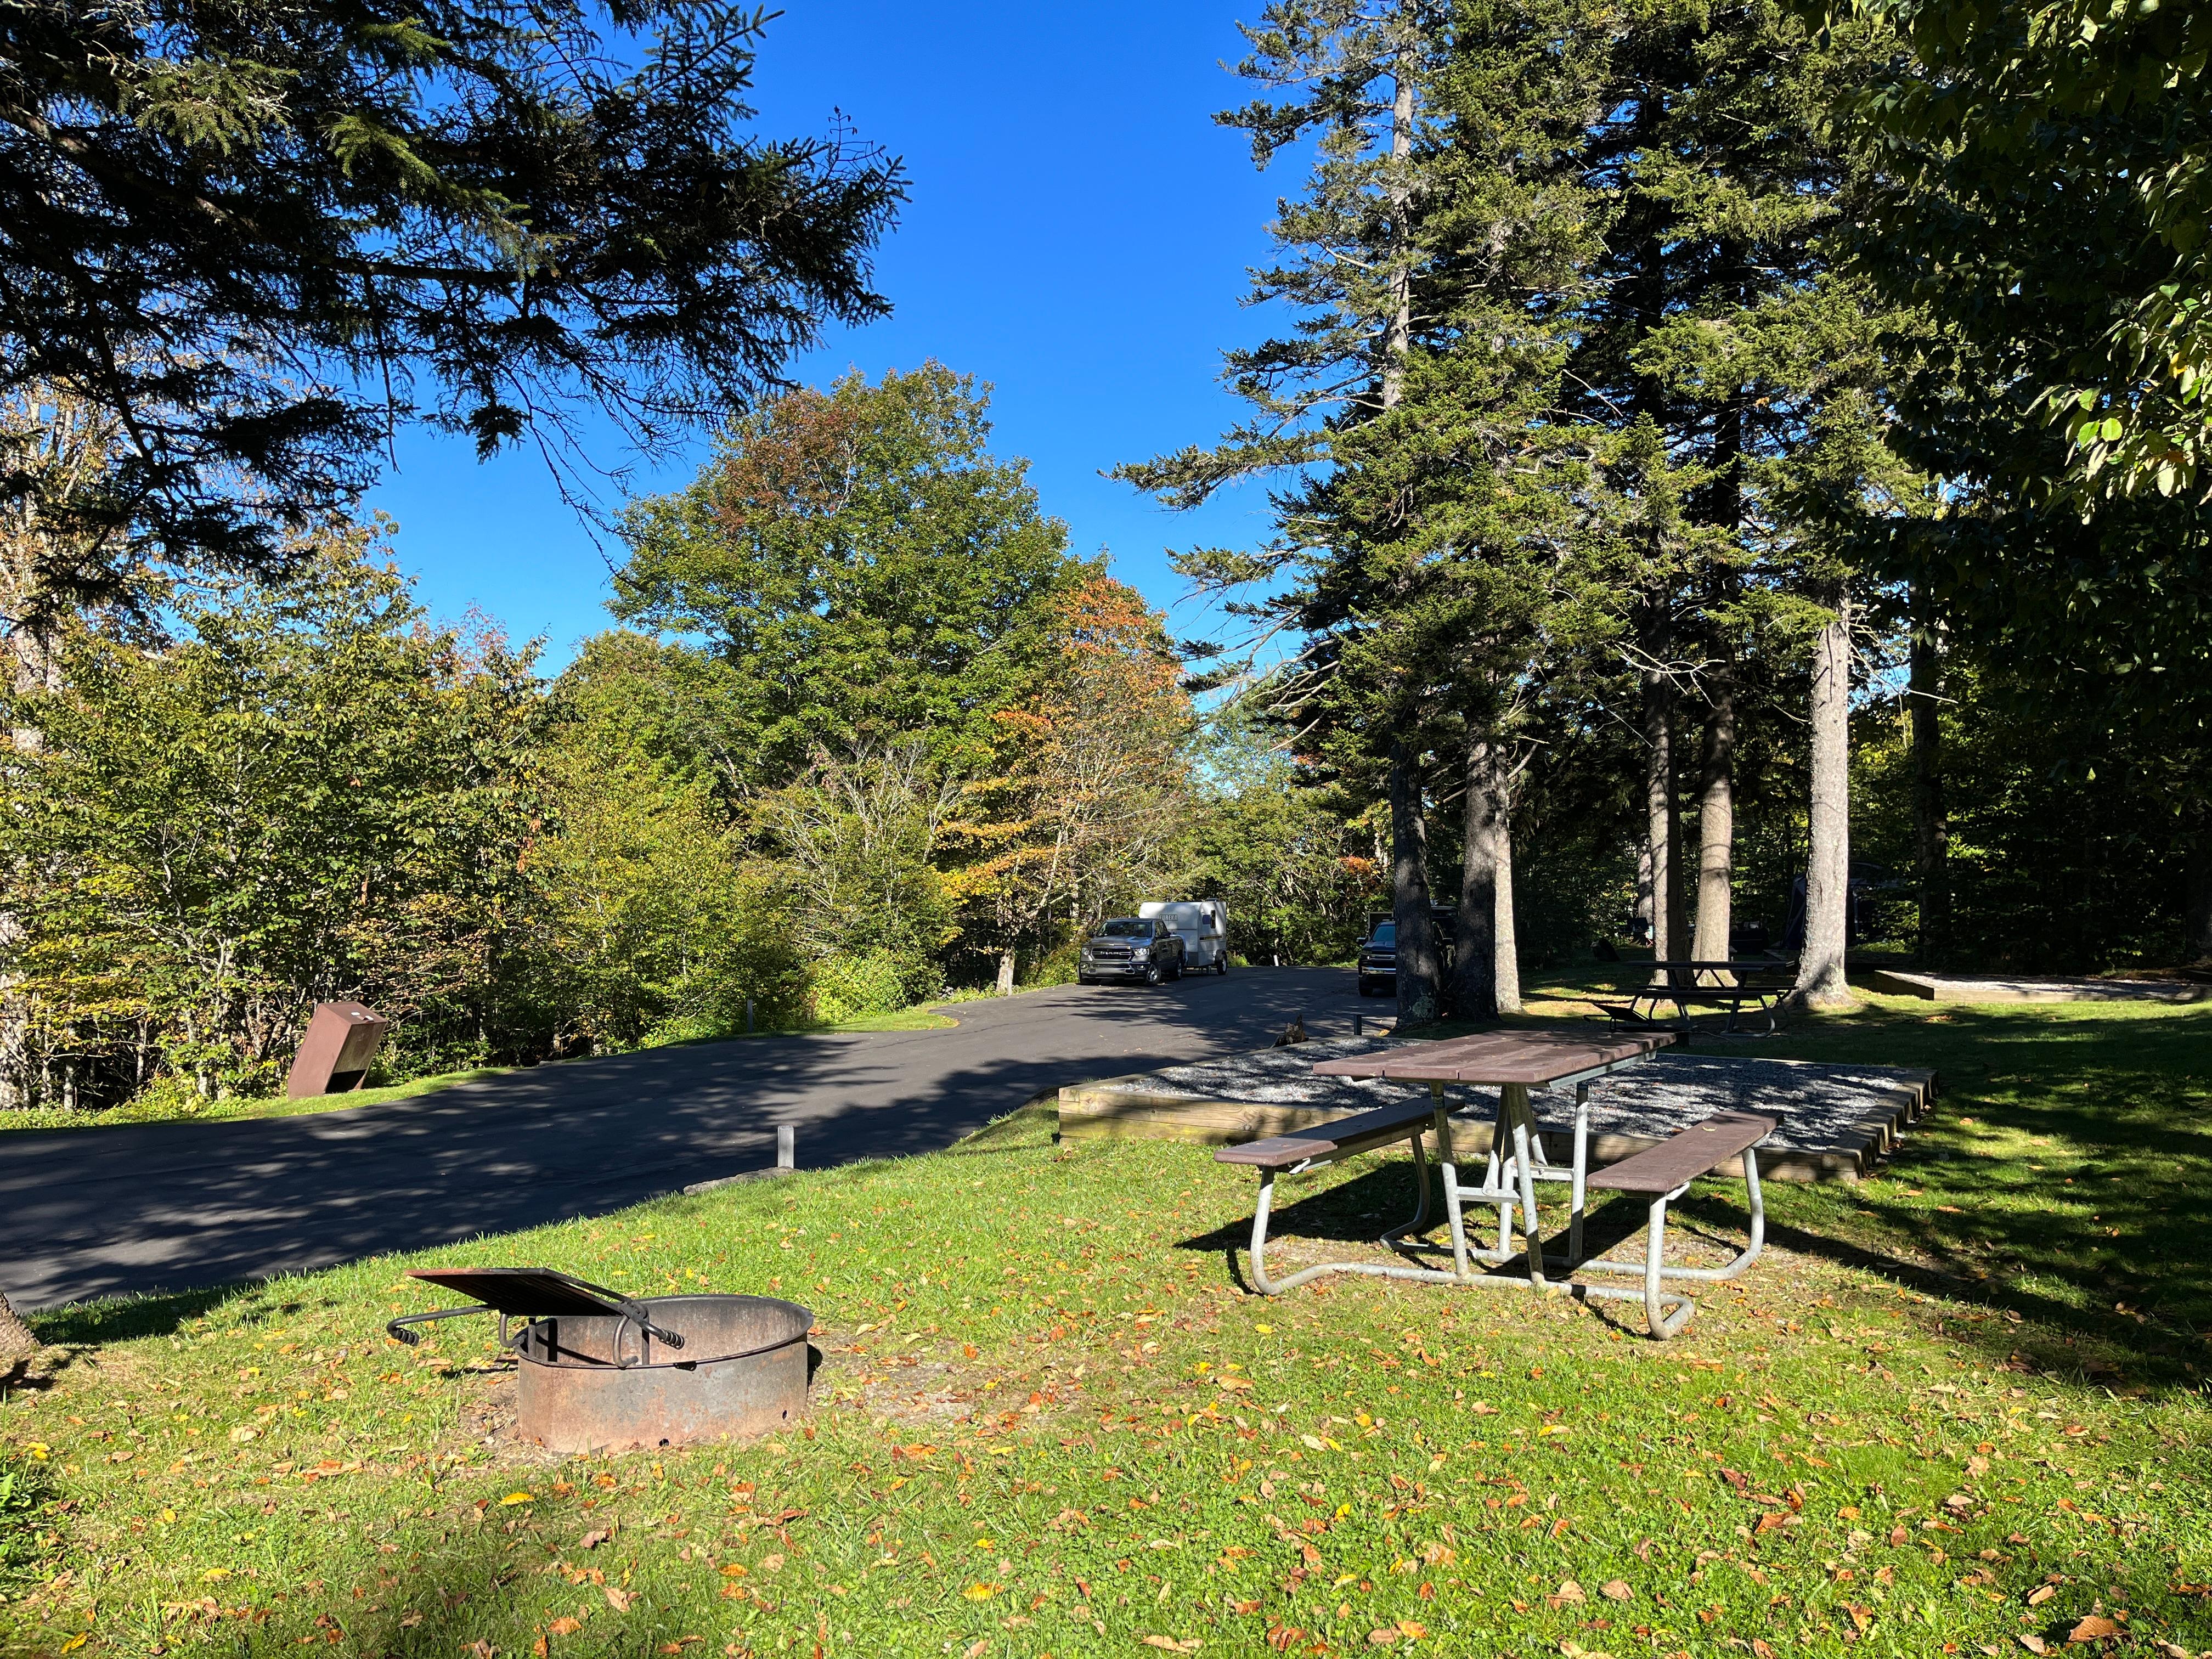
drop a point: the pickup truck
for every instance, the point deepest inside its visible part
(1142, 948)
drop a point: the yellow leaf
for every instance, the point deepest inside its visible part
(214, 1575)
(75, 1642)
(519, 1497)
(980, 1592)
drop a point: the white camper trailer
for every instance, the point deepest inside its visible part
(1203, 927)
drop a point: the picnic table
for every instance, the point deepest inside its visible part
(1512, 1062)
(1732, 985)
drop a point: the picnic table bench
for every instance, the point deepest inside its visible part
(1734, 985)
(1513, 1062)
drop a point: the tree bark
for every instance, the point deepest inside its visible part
(1474, 989)
(2197, 944)
(1716, 826)
(16, 1341)
(1506, 960)
(1410, 907)
(1931, 827)
(1663, 811)
(1820, 981)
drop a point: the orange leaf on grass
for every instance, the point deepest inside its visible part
(2094, 1628)
(565, 1625)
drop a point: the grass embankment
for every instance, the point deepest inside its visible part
(161, 1108)
(1959, 1409)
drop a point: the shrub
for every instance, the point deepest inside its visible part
(847, 987)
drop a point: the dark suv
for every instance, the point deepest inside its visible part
(1378, 957)
(1131, 947)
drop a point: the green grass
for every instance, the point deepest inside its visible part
(1957, 1409)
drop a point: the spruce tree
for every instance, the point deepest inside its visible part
(256, 237)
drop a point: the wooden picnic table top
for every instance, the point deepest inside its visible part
(1533, 1058)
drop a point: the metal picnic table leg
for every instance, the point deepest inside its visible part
(1582, 1174)
(1447, 1164)
(1513, 1104)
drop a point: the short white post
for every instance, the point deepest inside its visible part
(787, 1156)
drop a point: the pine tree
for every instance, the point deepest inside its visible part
(255, 237)
(1735, 372)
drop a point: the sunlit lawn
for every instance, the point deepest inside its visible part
(1957, 1409)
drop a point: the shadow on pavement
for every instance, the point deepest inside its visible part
(177, 1207)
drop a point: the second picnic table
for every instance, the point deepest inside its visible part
(1732, 985)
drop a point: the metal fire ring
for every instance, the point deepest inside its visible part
(600, 1371)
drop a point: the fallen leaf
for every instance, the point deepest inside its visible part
(619, 1600)
(2094, 1628)
(1763, 1649)
(980, 1592)
(1171, 1644)
(565, 1625)
(2041, 1594)
(1615, 1589)
(735, 1569)
(517, 1497)
(976, 1649)
(1232, 1383)
(1571, 1592)
(596, 1537)
(2034, 1643)
(1411, 1631)
(1382, 1639)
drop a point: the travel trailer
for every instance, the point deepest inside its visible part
(1202, 925)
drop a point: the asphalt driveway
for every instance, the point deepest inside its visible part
(177, 1207)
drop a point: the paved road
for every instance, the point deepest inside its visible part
(180, 1206)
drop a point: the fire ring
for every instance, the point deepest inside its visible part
(601, 1371)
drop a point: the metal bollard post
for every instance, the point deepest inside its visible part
(749, 1015)
(1360, 1026)
(787, 1150)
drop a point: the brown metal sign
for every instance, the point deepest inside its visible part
(341, 1039)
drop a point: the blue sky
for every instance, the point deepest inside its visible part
(1078, 236)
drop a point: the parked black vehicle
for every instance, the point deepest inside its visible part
(1378, 957)
(1131, 947)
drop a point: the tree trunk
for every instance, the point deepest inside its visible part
(1716, 828)
(1820, 980)
(16, 1341)
(1506, 961)
(1640, 918)
(2197, 944)
(1474, 989)
(1005, 973)
(1931, 827)
(1410, 907)
(1662, 813)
